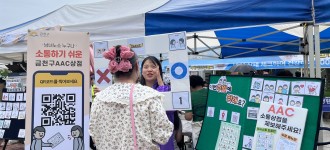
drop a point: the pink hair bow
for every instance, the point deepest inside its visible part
(120, 63)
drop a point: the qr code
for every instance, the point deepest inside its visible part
(58, 109)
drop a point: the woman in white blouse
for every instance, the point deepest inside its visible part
(127, 115)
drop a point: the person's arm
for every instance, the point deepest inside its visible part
(33, 145)
(188, 115)
(96, 89)
(75, 144)
(177, 130)
(46, 144)
(159, 78)
(80, 145)
(161, 127)
(161, 86)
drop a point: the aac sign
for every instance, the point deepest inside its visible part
(279, 110)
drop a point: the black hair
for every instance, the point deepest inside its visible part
(196, 80)
(181, 40)
(285, 73)
(131, 60)
(76, 127)
(298, 74)
(171, 42)
(155, 61)
(39, 129)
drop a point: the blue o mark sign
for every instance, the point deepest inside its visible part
(182, 73)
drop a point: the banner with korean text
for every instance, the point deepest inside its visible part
(279, 127)
(58, 84)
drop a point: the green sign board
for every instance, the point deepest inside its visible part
(234, 101)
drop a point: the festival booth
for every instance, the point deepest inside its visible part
(157, 17)
(255, 39)
(109, 20)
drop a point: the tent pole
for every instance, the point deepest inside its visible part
(213, 50)
(195, 42)
(305, 64)
(305, 71)
(317, 51)
(311, 50)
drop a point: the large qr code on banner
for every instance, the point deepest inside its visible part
(58, 109)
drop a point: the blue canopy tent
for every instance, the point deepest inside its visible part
(325, 41)
(183, 15)
(198, 15)
(322, 13)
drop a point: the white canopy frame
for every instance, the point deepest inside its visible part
(311, 43)
(196, 37)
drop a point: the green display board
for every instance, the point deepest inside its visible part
(241, 87)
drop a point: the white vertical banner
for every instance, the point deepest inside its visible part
(279, 127)
(58, 87)
(179, 75)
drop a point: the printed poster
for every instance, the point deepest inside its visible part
(223, 115)
(177, 41)
(313, 88)
(210, 112)
(257, 84)
(5, 96)
(252, 113)
(228, 137)
(298, 87)
(60, 76)
(296, 101)
(222, 86)
(13, 84)
(180, 100)
(137, 45)
(255, 96)
(2, 114)
(103, 77)
(235, 117)
(2, 106)
(247, 141)
(19, 96)
(269, 86)
(100, 48)
(2, 133)
(1, 123)
(268, 97)
(281, 99)
(286, 142)
(21, 133)
(265, 138)
(278, 123)
(282, 87)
